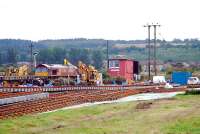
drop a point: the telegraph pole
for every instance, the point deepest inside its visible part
(107, 55)
(31, 60)
(149, 51)
(155, 26)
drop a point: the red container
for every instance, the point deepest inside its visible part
(122, 68)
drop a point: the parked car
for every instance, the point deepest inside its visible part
(193, 80)
(159, 79)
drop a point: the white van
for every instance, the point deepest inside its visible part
(193, 80)
(159, 79)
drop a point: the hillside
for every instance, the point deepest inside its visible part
(13, 50)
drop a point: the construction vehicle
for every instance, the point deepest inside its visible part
(58, 74)
(17, 71)
(14, 76)
(66, 62)
(88, 74)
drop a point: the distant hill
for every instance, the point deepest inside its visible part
(85, 43)
(176, 50)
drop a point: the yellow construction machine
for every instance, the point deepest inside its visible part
(18, 71)
(66, 62)
(14, 75)
(88, 74)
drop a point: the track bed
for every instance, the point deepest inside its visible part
(58, 100)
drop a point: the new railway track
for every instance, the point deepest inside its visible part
(66, 98)
(71, 88)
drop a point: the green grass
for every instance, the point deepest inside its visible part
(164, 54)
(185, 126)
(180, 115)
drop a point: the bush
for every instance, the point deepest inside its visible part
(119, 80)
(105, 75)
(192, 92)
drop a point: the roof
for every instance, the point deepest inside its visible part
(120, 57)
(56, 66)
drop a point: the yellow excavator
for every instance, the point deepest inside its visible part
(18, 71)
(88, 74)
(14, 75)
(66, 62)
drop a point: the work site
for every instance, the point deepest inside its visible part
(74, 67)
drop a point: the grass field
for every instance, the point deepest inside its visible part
(179, 115)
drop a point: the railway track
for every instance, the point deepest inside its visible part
(193, 86)
(14, 94)
(58, 100)
(71, 88)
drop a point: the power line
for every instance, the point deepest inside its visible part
(155, 57)
(149, 51)
(31, 54)
(107, 53)
(149, 48)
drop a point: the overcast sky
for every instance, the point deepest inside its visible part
(108, 19)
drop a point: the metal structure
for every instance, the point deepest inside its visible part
(88, 74)
(31, 54)
(155, 57)
(107, 54)
(149, 50)
(73, 88)
(58, 100)
(34, 58)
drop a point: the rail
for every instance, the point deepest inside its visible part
(70, 88)
(69, 98)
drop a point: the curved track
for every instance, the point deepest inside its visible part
(71, 88)
(72, 97)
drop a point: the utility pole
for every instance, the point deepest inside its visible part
(149, 51)
(155, 64)
(31, 60)
(107, 55)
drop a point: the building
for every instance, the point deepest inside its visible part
(56, 70)
(123, 67)
(160, 67)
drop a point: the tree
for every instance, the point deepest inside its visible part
(76, 55)
(43, 56)
(97, 58)
(58, 55)
(85, 56)
(12, 55)
(1, 61)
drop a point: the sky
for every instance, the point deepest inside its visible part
(105, 19)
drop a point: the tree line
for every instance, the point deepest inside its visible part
(73, 55)
(93, 51)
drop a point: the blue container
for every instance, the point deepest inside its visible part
(180, 77)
